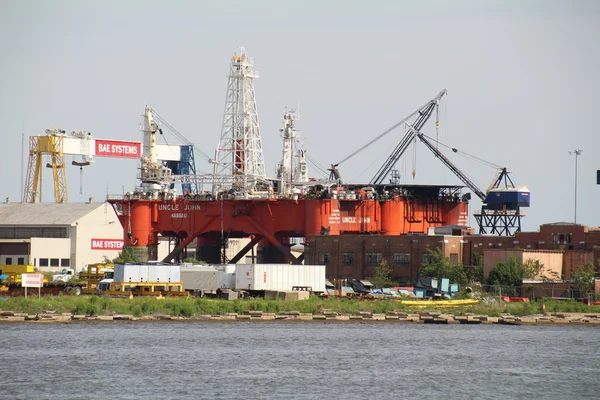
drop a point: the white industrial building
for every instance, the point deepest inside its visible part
(51, 236)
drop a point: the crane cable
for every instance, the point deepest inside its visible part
(317, 166)
(464, 154)
(181, 137)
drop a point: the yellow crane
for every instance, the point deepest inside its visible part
(51, 144)
(56, 143)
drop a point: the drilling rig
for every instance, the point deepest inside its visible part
(239, 200)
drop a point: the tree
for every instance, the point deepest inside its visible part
(193, 261)
(531, 268)
(512, 272)
(125, 256)
(382, 276)
(474, 273)
(509, 273)
(440, 267)
(582, 278)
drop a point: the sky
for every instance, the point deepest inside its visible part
(521, 79)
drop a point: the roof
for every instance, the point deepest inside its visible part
(44, 213)
(561, 223)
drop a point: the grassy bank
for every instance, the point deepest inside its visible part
(189, 307)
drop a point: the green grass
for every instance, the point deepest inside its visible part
(189, 307)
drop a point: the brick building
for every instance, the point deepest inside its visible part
(356, 256)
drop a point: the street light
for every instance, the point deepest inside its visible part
(577, 153)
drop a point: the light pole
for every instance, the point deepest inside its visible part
(577, 153)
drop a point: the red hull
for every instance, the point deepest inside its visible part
(277, 219)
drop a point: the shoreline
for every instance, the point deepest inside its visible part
(575, 319)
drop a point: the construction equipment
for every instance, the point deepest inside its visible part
(57, 143)
(501, 203)
(12, 278)
(243, 202)
(94, 274)
(420, 116)
(500, 213)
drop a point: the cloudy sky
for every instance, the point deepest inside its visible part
(522, 79)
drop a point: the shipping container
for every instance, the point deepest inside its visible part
(203, 278)
(226, 276)
(147, 273)
(282, 277)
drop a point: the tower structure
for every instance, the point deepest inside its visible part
(152, 172)
(239, 154)
(286, 171)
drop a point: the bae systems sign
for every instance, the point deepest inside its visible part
(113, 148)
(107, 244)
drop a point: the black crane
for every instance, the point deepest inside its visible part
(500, 213)
(501, 206)
(423, 114)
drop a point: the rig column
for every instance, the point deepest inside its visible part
(140, 240)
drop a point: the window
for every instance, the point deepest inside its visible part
(8, 260)
(373, 259)
(454, 258)
(562, 238)
(26, 233)
(65, 262)
(427, 258)
(348, 259)
(54, 262)
(400, 259)
(21, 261)
(43, 262)
(323, 258)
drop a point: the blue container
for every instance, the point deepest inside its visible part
(420, 293)
(431, 282)
(511, 198)
(444, 284)
(454, 288)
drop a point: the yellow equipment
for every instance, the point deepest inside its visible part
(94, 274)
(51, 144)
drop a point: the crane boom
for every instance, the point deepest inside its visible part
(452, 167)
(424, 113)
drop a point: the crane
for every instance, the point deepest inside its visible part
(422, 115)
(57, 143)
(501, 206)
(187, 164)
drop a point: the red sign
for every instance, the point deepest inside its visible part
(114, 148)
(107, 244)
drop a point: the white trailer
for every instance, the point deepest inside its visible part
(152, 272)
(280, 277)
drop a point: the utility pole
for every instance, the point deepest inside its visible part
(577, 153)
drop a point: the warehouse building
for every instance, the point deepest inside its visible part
(561, 246)
(51, 236)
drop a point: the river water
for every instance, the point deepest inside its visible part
(283, 360)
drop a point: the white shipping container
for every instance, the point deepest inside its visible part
(281, 277)
(128, 273)
(147, 273)
(227, 276)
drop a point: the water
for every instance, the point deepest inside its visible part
(272, 360)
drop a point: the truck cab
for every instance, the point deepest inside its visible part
(65, 275)
(104, 286)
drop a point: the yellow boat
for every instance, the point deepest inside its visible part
(439, 303)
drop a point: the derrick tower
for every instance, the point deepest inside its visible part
(239, 154)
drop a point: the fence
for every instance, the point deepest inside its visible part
(558, 290)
